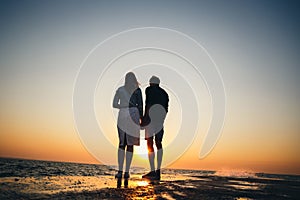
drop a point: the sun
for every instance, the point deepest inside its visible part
(142, 150)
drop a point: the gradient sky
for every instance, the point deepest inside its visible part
(255, 44)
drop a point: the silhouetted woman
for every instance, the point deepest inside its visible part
(128, 99)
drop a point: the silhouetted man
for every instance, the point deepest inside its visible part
(156, 108)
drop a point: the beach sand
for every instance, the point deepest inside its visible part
(32, 179)
(170, 187)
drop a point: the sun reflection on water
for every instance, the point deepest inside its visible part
(142, 183)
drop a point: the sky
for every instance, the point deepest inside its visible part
(254, 44)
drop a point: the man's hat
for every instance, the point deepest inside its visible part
(154, 80)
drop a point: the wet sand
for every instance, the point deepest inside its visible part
(172, 186)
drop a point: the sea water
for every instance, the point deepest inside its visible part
(25, 179)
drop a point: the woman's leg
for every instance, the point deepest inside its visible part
(129, 154)
(121, 155)
(121, 149)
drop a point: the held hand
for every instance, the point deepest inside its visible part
(141, 124)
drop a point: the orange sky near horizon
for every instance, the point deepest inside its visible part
(48, 144)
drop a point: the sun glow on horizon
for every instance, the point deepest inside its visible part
(142, 150)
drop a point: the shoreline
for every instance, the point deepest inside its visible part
(184, 169)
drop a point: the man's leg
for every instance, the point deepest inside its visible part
(158, 140)
(151, 154)
(159, 154)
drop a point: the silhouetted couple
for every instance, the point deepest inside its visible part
(128, 99)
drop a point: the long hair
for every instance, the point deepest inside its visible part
(131, 83)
